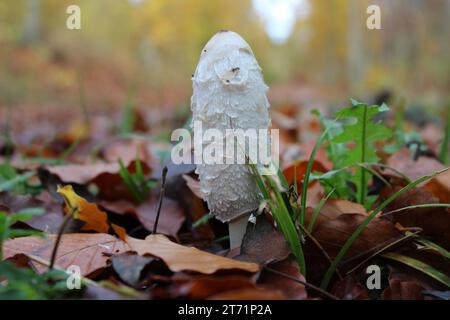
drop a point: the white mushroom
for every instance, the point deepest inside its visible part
(229, 93)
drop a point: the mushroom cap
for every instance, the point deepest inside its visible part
(222, 43)
(229, 93)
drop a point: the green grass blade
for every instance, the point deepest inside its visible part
(435, 247)
(203, 220)
(302, 212)
(420, 266)
(11, 184)
(284, 221)
(426, 205)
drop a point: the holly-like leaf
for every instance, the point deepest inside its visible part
(360, 129)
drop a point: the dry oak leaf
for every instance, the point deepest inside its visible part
(94, 218)
(179, 258)
(84, 250)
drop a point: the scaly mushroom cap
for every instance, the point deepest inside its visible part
(229, 93)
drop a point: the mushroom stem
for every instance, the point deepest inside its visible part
(236, 229)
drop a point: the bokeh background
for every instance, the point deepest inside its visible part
(144, 51)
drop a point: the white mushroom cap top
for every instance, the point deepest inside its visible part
(229, 93)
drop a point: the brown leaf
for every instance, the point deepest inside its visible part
(439, 186)
(84, 250)
(403, 161)
(402, 289)
(202, 287)
(170, 220)
(48, 222)
(435, 222)
(179, 258)
(262, 243)
(129, 266)
(350, 289)
(332, 234)
(104, 175)
(291, 289)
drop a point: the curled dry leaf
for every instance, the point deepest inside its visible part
(180, 258)
(84, 250)
(295, 172)
(94, 218)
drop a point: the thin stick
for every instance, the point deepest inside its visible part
(306, 284)
(58, 237)
(321, 249)
(161, 196)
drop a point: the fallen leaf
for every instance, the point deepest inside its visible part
(435, 221)
(179, 258)
(291, 289)
(89, 213)
(129, 266)
(170, 220)
(295, 172)
(439, 186)
(332, 234)
(400, 289)
(350, 289)
(263, 243)
(202, 287)
(49, 222)
(84, 250)
(403, 161)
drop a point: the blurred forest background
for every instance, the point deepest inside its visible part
(148, 49)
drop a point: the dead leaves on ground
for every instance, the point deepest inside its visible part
(88, 251)
(181, 258)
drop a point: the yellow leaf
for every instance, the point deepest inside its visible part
(94, 218)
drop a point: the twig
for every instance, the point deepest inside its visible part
(319, 246)
(306, 284)
(161, 196)
(58, 237)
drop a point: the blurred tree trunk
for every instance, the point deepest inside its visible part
(32, 21)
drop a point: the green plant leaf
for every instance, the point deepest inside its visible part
(419, 265)
(360, 129)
